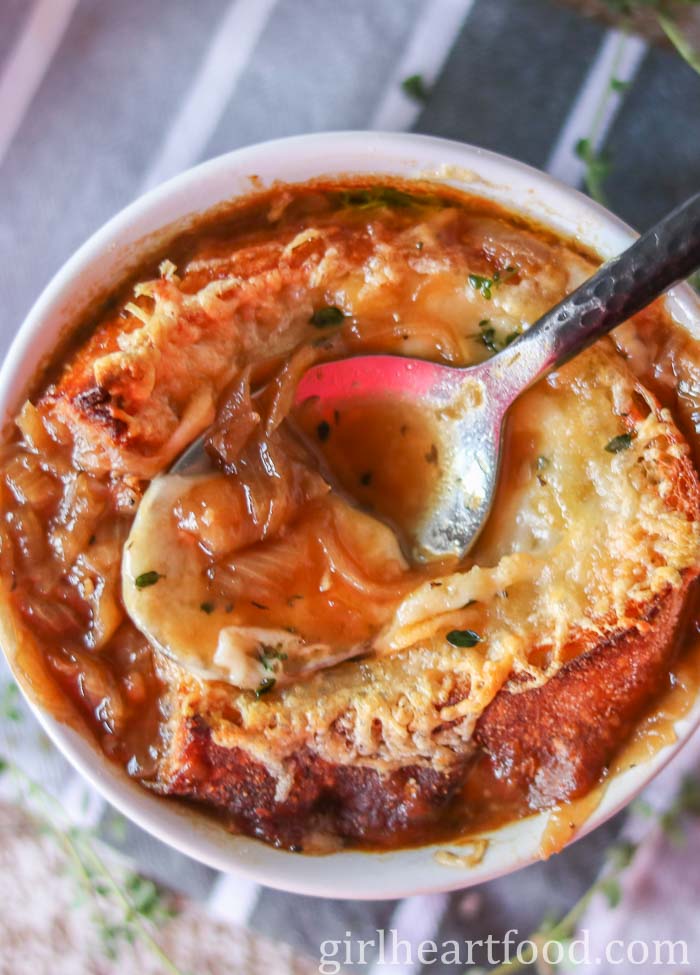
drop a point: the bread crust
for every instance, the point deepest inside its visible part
(551, 743)
(347, 758)
(323, 800)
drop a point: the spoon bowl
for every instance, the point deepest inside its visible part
(467, 407)
(464, 411)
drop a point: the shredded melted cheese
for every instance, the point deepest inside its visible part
(581, 542)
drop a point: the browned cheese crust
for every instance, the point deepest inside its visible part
(574, 592)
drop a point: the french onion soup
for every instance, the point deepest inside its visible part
(251, 635)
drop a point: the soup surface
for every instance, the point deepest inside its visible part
(250, 632)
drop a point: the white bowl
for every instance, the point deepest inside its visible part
(104, 259)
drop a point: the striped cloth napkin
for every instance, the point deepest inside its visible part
(101, 100)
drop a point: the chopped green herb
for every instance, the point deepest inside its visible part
(258, 605)
(486, 285)
(323, 430)
(327, 317)
(414, 86)
(622, 442)
(265, 685)
(147, 579)
(366, 478)
(363, 198)
(463, 638)
(482, 284)
(488, 337)
(268, 654)
(207, 607)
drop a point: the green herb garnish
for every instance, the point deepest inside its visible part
(147, 579)
(488, 337)
(363, 198)
(125, 907)
(323, 430)
(207, 607)
(265, 686)
(268, 654)
(486, 285)
(622, 442)
(482, 284)
(463, 638)
(327, 317)
(414, 86)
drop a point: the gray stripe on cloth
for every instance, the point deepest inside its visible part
(523, 899)
(159, 861)
(655, 143)
(14, 16)
(509, 82)
(24, 742)
(304, 922)
(93, 126)
(308, 80)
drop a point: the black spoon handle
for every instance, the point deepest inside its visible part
(662, 256)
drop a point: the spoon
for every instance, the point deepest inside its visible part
(468, 405)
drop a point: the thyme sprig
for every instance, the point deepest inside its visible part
(125, 905)
(597, 162)
(665, 12)
(619, 857)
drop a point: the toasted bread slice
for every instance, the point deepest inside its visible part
(147, 381)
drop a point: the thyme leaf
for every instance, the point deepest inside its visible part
(415, 87)
(265, 686)
(463, 638)
(622, 441)
(327, 317)
(147, 579)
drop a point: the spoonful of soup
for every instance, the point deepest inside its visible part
(463, 409)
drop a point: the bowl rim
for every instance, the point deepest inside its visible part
(361, 875)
